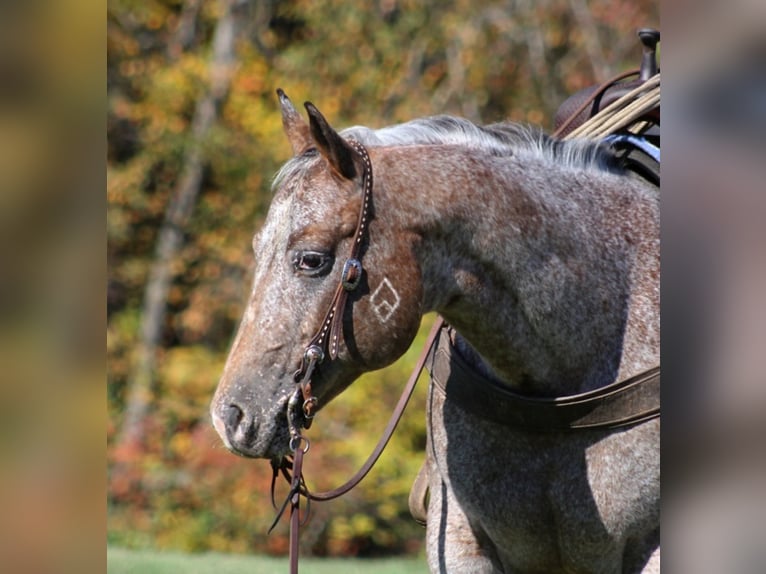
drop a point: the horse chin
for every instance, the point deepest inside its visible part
(274, 446)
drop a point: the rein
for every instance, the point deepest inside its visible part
(292, 470)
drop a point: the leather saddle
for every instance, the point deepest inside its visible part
(600, 96)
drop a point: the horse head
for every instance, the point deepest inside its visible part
(302, 256)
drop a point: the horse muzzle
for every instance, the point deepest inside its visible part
(248, 432)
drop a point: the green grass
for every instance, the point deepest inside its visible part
(124, 561)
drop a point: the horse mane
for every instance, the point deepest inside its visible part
(498, 139)
(502, 139)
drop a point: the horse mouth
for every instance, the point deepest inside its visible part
(250, 437)
(275, 449)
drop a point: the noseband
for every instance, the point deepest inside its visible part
(326, 340)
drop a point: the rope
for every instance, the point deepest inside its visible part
(622, 112)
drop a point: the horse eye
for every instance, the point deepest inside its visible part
(311, 263)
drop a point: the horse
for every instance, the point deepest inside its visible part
(541, 255)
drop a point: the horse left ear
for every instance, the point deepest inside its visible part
(343, 158)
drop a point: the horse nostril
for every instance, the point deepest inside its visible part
(232, 416)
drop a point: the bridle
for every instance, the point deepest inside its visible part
(302, 403)
(326, 340)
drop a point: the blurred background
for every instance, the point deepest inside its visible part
(194, 137)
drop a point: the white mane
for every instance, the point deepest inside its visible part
(500, 139)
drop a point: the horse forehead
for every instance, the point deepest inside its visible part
(324, 207)
(320, 191)
(276, 228)
(310, 201)
(313, 189)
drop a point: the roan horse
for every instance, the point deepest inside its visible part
(543, 257)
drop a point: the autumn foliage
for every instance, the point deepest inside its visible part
(371, 63)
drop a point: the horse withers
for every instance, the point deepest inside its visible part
(543, 257)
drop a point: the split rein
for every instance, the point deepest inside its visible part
(302, 403)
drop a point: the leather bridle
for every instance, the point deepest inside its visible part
(325, 343)
(327, 338)
(303, 402)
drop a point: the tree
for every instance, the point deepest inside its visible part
(179, 209)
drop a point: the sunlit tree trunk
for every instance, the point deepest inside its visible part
(141, 389)
(592, 42)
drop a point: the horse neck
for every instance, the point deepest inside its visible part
(518, 258)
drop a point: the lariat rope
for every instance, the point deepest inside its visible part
(622, 112)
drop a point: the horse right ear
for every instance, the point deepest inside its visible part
(296, 128)
(343, 158)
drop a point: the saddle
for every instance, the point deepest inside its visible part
(636, 152)
(583, 105)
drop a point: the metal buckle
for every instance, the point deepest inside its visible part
(309, 405)
(352, 274)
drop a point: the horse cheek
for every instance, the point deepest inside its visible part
(391, 315)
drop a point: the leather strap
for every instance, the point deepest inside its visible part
(326, 340)
(328, 335)
(617, 405)
(295, 509)
(418, 499)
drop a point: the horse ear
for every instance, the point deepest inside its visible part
(342, 157)
(296, 129)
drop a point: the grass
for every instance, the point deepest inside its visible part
(124, 561)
